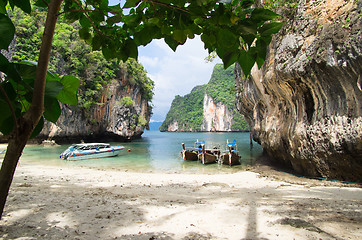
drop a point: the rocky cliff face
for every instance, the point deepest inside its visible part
(305, 105)
(110, 120)
(209, 107)
(216, 116)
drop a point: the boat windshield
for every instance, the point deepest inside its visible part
(88, 147)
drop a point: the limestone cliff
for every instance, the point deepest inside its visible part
(210, 107)
(112, 119)
(216, 116)
(305, 105)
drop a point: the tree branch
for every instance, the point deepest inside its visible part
(37, 106)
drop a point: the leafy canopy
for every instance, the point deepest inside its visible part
(235, 30)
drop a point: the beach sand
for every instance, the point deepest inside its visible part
(49, 202)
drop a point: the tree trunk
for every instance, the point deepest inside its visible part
(14, 150)
(26, 125)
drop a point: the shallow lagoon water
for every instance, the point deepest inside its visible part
(154, 152)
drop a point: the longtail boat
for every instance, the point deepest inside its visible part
(231, 156)
(208, 156)
(192, 153)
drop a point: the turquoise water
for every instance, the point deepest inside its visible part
(154, 152)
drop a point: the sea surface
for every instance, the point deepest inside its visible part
(154, 152)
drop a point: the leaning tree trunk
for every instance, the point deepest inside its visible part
(25, 125)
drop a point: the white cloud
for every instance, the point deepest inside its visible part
(148, 61)
(174, 73)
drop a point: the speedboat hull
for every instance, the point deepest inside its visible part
(73, 154)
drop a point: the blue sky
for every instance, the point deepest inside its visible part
(174, 73)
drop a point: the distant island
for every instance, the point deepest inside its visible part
(207, 108)
(154, 126)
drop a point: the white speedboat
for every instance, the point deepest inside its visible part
(90, 150)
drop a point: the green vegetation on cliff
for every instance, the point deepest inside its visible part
(187, 111)
(71, 55)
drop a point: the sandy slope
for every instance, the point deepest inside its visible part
(79, 203)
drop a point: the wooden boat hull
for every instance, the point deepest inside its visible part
(207, 158)
(189, 155)
(230, 159)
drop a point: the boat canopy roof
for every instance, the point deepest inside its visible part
(233, 143)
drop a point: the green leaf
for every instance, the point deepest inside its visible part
(208, 39)
(3, 4)
(247, 26)
(38, 128)
(260, 61)
(5, 112)
(68, 94)
(84, 22)
(7, 125)
(154, 21)
(6, 118)
(23, 5)
(115, 19)
(171, 43)
(12, 73)
(96, 42)
(42, 3)
(103, 4)
(84, 33)
(108, 52)
(4, 63)
(52, 77)
(9, 90)
(130, 48)
(261, 15)
(26, 69)
(131, 3)
(53, 88)
(246, 62)
(180, 36)
(246, 3)
(226, 39)
(132, 20)
(261, 47)
(7, 31)
(115, 8)
(96, 17)
(25, 106)
(52, 109)
(229, 58)
(270, 28)
(248, 38)
(201, 2)
(143, 37)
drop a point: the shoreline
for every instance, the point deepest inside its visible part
(50, 202)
